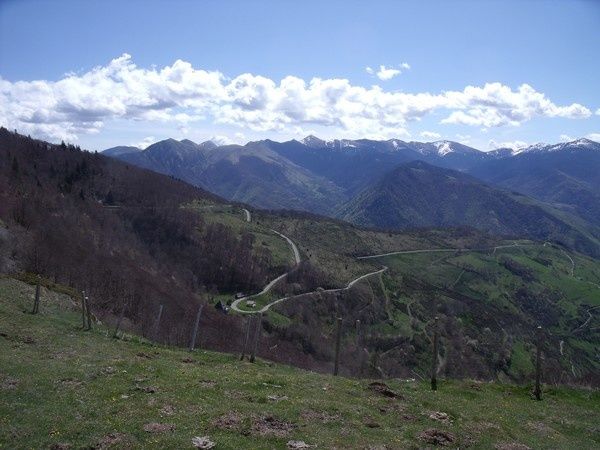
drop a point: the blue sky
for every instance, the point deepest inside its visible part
(234, 56)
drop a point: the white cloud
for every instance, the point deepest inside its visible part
(598, 112)
(221, 140)
(430, 135)
(594, 137)
(181, 95)
(463, 138)
(515, 145)
(147, 141)
(565, 138)
(495, 104)
(387, 73)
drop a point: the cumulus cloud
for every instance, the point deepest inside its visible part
(598, 112)
(387, 73)
(184, 95)
(565, 138)
(495, 104)
(430, 135)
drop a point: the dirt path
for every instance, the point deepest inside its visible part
(572, 263)
(584, 324)
(292, 245)
(436, 250)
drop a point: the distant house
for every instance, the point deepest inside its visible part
(239, 295)
(220, 306)
(250, 303)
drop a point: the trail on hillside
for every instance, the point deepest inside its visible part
(435, 250)
(572, 262)
(584, 324)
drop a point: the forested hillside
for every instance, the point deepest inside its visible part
(119, 232)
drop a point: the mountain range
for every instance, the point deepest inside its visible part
(542, 191)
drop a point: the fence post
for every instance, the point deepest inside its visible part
(83, 310)
(256, 336)
(195, 332)
(338, 339)
(36, 302)
(248, 321)
(157, 323)
(115, 334)
(538, 363)
(89, 313)
(434, 360)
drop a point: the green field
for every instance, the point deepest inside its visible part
(63, 386)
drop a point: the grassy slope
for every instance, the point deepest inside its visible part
(61, 385)
(551, 270)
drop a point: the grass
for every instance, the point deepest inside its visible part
(60, 385)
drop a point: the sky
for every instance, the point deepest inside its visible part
(487, 74)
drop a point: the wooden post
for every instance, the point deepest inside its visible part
(338, 340)
(195, 332)
(36, 302)
(359, 351)
(256, 337)
(248, 321)
(83, 308)
(157, 323)
(538, 363)
(89, 313)
(434, 360)
(115, 334)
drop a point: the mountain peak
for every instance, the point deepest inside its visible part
(313, 141)
(578, 144)
(584, 142)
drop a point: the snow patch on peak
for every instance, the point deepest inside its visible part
(443, 147)
(584, 142)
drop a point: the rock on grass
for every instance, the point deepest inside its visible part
(203, 442)
(437, 437)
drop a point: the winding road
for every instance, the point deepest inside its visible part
(271, 284)
(248, 216)
(265, 308)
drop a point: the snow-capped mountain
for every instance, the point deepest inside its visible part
(443, 148)
(578, 144)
